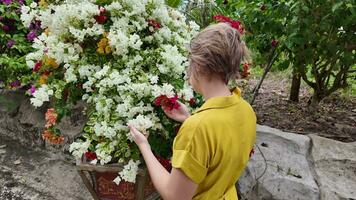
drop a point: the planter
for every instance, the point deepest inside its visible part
(99, 181)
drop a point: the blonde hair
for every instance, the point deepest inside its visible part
(217, 52)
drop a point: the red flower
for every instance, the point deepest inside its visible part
(165, 163)
(252, 152)
(192, 102)
(90, 155)
(274, 43)
(154, 24)
(233, 23)
(222, 18)
(38, 66)
(170, 103)
(245, 71)
(101, 19)
(46, 73)
(158, 100)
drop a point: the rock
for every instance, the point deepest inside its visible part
(41, 176)
(32, 116)
(288, 175)
(2, 151)
(29, 122)
(10, 101)
(14, 126)
(2, 146)
(17, 162)
(335, 167)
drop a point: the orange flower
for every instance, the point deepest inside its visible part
(43, 3)
(52, 138)
(47, 31)
(51, 117)
(103, 46)
(51, 62)
(46, 135)
(107, 49)
(43, 79)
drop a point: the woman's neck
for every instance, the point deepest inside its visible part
(215, 89)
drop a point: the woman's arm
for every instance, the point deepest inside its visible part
(171, 186)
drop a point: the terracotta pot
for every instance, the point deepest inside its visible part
(101, 186)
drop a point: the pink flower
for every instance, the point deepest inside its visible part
(274, 43)
(10, 43)
(16, 83)
(154, 24)
(31, 36)
(7, 2)
(32, 89)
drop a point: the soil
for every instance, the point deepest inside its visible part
(335, 117)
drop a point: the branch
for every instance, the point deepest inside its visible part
(350, 47)
(255, 90)
(305, 78)
(340, 80)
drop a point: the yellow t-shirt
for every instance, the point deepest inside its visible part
(212, 146)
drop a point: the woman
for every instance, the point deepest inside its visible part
(213, 145)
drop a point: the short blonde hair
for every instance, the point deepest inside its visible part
(217, 52)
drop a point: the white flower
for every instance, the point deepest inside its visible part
(94, 162)
(117, 180)
(79, 148)
(153, 79)
(69, 75)
(114, 6)
(33, 5)
(130, 171)
(103, 129)
(41, 95)
(186, 92)
(165, 89)
(141, 123)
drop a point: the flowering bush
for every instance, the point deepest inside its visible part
(118, 57)
(15, 43)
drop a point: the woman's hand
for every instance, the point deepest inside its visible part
(139, 138)
(180, 114)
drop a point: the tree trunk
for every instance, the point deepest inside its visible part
(294, 90)
(314, 102)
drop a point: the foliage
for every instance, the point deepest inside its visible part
(15, 43)
(313, 37)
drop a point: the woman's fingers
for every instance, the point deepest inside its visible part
(136, 133)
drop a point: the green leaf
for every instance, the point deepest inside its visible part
(337, 5)
(173, 3)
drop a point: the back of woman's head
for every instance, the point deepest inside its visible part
(217, 52)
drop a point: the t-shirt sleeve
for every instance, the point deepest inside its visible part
(191, 152)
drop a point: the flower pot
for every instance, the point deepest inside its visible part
(101, 186)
